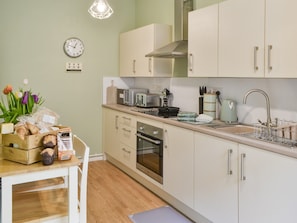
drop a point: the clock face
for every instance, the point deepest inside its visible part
(73, 47)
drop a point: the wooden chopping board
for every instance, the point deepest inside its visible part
(111, 94)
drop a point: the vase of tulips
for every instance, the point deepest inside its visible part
(18, 103)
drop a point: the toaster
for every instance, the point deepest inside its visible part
(128, 96)
(147, 100)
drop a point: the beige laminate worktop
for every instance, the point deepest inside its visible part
(291, 152)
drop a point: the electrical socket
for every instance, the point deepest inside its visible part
(71, 66)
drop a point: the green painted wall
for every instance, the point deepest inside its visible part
(32, 37)
(154, 11)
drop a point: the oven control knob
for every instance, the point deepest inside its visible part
(155, 132)
(141, 128)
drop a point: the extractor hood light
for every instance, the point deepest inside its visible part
(100, 9)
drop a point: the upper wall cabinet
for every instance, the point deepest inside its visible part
(203, 42)
(241, 38)
(135, 44)
(255, 38)
(281, 36)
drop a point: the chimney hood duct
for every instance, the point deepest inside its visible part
(179, 48)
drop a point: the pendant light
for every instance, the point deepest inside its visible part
(100, 9)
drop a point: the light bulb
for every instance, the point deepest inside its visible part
(100, 9)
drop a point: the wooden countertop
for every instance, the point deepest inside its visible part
(8, 168)
(291, 152)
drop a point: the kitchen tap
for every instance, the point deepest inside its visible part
(268, 122)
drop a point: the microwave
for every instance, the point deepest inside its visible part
(128, 96)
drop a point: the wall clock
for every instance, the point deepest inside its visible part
(73, 47)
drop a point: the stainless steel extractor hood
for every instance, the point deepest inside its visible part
(179, 48)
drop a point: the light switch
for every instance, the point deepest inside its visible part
(71, 66)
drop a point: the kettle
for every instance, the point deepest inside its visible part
(228, 111)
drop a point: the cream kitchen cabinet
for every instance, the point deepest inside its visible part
(247, 49)
(110, 137)
(135, 44)
(281, 35)
(216, 181)
(241, 38)
(119, 139)
(203, 42)
(178, 163)
(127, 138)
(226, 40)
(267, 187)
(244, 38)
(239, 183)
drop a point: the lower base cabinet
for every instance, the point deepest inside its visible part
(179, 163)
(111, 132)
(224, 181)
(268, 187)
(119, 140)
(216, 196)
(235, 183)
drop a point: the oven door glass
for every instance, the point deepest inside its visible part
(150, 155)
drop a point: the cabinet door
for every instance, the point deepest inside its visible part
(110, 132)
(216, 179)
(179, 163)
(143, 45)
(268, 192)
(127, 55)
(203, 42)
(135, 44)
(241, 38)
(281, 35)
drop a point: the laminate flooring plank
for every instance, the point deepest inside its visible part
(113, 195)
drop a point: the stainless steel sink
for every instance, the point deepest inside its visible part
(236, 129)
(257, 133)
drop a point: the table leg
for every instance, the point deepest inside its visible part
(6, 200)
(73, 195)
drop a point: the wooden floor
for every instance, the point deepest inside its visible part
(113, 195)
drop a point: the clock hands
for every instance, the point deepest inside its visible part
(73, 46)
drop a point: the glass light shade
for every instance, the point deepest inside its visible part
(100, 9)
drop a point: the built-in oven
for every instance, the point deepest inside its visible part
(150, 151)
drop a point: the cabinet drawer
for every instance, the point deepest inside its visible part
(127, 136)
(127, 120)
(127, 156)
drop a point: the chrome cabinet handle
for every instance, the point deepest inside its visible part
(229, 170)
(256, 58)
(150, 65)
(134, 70)
(242, 173)
(190, 64)
(126, 130)
(125, 150)
(127, 118)
(116, 122)
(269, 57)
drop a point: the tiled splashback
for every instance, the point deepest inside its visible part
(282, 94)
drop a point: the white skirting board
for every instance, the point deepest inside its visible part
(96, 157)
